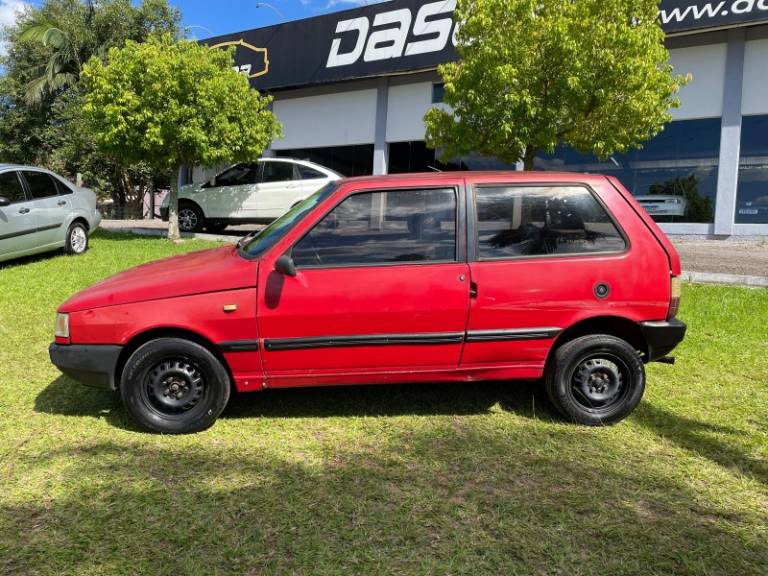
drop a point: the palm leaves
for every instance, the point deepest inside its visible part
(63, 66)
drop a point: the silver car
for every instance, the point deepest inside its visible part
(40, 211)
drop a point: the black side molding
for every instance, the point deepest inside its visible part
(239, 346)
(517, 334)
(367, 340)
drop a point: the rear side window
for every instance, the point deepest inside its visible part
(62, 187)
(41, 185)
(10, 187)
(377, 228)
(515, 221)
(277, 172)
(308, 173)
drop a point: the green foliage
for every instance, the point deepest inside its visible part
(40, 95)
(532, 74)
(171, 103)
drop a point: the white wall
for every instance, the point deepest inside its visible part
(338, 119)
(755, 96)
(407, 105)
(703, 96)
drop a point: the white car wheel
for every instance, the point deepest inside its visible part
(77, 239)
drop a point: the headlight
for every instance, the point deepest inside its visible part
(61, 330)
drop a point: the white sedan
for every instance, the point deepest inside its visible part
(246, 193)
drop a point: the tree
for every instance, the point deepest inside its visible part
(172, 104)
(533, 74)
(40, 94)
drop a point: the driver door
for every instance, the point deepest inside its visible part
(18, 221)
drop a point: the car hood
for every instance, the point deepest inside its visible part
(213, 270)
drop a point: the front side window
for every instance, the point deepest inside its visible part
(239, 175)
(377, 228)
(41, 185)
(277, 172)
(515, 221)
(10, 187)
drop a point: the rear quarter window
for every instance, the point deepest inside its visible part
(520, 221)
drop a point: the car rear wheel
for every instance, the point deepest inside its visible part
(191, 218)
(596, 380)
(76, 241)
(174, 386)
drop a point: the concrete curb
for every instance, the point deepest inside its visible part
(728, 279)
(160, 233)
(699, 277)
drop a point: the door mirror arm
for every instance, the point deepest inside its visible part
(4, 201)
(285, 265)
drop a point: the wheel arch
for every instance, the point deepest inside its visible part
(141, 338)
(618, 326)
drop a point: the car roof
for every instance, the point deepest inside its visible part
(498, 176)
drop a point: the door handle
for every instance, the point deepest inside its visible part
(24, 210)
(62, 202)
(472, 290)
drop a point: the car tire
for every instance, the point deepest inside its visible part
(216, 227)
(76, 241)
(191, 218)
(595, 380)
(174, 386)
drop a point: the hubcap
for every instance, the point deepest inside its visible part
(599, 382)
(78, 240)
(187, 219)
(174, 386)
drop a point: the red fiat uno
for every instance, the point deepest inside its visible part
(414, 278)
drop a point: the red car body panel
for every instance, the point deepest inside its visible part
(286, 315)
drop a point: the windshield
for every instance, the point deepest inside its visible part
(268, 237)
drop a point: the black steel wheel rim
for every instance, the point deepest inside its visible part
(174, 387)
(599, 382)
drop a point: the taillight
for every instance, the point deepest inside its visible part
(675, 291)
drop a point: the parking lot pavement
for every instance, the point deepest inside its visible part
(722, 261)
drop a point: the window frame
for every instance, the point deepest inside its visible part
(23, 184)
(459, 191)
(31, 197)
(473, 224)
(263, 165)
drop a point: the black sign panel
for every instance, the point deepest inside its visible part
(405, 36)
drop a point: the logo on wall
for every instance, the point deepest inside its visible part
(254, 62)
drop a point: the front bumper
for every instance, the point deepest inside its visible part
(89, 364)
(662, 337)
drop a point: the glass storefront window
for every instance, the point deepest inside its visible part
(752, 196)
(346, 160)
(674, 175)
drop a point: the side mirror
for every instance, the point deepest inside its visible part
(4, 201)
(286, 265)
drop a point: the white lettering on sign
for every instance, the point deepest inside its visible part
(390, 34)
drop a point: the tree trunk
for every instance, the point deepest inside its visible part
(173, 206)
(530, 154)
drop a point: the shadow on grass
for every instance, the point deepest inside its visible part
(707, 440)
(421, 500)
(66, 397)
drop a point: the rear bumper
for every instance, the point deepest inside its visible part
(91, 365)
(662, 337)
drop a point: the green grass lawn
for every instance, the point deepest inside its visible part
(426, 479)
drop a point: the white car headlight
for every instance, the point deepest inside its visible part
(61, 330)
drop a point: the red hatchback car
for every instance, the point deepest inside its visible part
(413, 278)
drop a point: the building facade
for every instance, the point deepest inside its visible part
(351, 90)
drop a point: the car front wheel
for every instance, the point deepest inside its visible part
(595, 380)
(76, 241)
(174, 386)
(191, 218)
